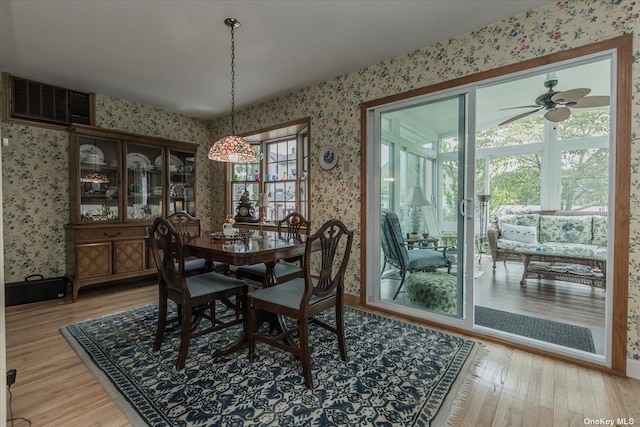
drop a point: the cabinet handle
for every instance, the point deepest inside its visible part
(111, 235)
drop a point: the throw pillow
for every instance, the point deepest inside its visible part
(519, 233)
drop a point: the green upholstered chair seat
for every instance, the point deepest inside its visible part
(433, 290)
(208, 283)
(280, 270)
(420, 259)
(196, 266)
(287, 294)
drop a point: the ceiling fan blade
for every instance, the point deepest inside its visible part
(570, 95)
(591, 101)
(519, 116)
(558, 114)
(521, 106)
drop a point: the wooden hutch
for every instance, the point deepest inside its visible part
(118, 183)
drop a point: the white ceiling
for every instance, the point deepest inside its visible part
(496, 99)
(175, 54)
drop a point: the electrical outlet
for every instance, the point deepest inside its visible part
(11, 377)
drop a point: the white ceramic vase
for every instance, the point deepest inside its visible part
(228, 230)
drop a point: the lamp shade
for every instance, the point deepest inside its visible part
(263, 201)
(416, 197)
(232, 149)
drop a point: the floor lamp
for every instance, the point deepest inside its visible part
(484, 202)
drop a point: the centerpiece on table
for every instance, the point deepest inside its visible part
(227, 227)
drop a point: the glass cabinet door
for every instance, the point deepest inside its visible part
(182, 173)
(143, 182)
(99, 171)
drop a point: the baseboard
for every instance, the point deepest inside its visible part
(633, 368)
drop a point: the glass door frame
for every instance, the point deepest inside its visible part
(621, 49)
(465, 223)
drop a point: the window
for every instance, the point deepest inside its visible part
(281, 172)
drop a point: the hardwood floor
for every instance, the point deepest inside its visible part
(510, 387)
(563, 302)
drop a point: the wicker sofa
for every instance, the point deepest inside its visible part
(581, 234)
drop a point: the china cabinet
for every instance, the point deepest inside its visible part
(118, 184)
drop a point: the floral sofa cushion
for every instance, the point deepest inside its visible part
(514, 244)
(520, 233)
(522, 219)
(570, 249)
(566, 229)
(600, 230)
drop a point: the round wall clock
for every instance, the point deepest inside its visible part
(328, 157)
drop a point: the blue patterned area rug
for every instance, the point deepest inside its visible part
(398, 374)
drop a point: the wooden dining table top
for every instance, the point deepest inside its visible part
(272, 246)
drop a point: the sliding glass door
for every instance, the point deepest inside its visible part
(492, 219)
(421, 149)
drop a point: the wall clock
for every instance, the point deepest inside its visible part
(328, 157)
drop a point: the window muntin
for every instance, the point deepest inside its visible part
(281, 172)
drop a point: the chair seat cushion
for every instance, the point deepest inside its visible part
(197, 265)
(192, 265)
(287, 294)
(425, 258)
(208, 283)
(280, 270)
(436, 291)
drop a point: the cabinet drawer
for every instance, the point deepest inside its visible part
(110, 234)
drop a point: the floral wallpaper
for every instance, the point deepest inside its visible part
(35, 181)
(334, 106)
(35, 163)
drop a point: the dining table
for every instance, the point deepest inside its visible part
(268, 247)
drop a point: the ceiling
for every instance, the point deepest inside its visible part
(175, 55)
(499, 99)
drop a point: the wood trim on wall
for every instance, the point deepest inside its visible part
(621, 209)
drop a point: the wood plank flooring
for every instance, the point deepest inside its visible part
(564, 302)
(510, 387)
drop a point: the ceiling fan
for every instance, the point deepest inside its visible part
(557, 104)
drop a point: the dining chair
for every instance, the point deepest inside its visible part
(288, 227)
(195, 295)
(303, 298)
(190, 226)
(396, 253)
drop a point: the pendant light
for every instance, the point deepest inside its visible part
(232, 148)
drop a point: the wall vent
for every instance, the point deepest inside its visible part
(41, 103)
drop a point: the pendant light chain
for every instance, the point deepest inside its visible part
(233, 80)
(232, 148)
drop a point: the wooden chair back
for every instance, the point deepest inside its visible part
(293, 224)
(334, 257)
(168, 255)
(186, 224)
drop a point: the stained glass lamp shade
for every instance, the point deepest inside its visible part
(233, 149)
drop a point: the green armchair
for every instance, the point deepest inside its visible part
(396, 253)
